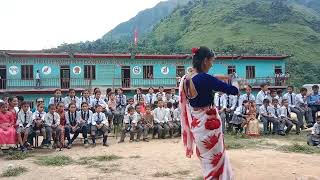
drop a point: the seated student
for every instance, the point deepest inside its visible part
(85, 97)
(73, 124)
(138, 96)
(71, 98)
(172, 126)
(99, 124)
(240, 115)
(176, 119)
(291, 97)
(248, 95)
(302, 105)
(286, 117)
(57, 97)
(147, 123)
(150, 97)
(98, 100)
(24, 122)
(314, 137)
(38, 124)
(229, 109)
(279, 96)
(161, 94)
(130, 104)
(85, 121)
(130, 121)
(276, 113)
(314, 100)
(266, 117)
(63, 122)
(221, 104)
(112, 104)
(7, 127)
(161, 117)
(52, 126)
(137, 128)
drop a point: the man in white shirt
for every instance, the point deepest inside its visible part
(291, 97)
(262, 95)
(302, 105)
(221, 104)
(286, 117)
(266, 117)
(161, 118)
(150, 97)
(248, 95)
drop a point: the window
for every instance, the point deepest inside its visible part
(231, 70)
(250, 72)
(89, 71)
(277, 69)
(180, 71)
(27, 72)
(147, 72)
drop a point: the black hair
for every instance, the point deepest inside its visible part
(11, 98)
(263, 85)
(20, 98)
(57, 90)
(279, 91)
(71, 104)
(130, 108)
(175, 105)
(169, 105)
(70, 90)
(24, 103)
(249, 86)
(291, 87)
(83, 103)
(245, 101)
(315, 87)
(303, 89)
(275, 100)
(284, 100)
(150, 88)
(266, 101)
(108, 91)
(51, 106)
(199, 56)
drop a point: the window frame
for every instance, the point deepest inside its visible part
(90, 72)
(146, 70)
(27, 72)
(250, 72)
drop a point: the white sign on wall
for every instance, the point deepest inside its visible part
(136, 70)
(13, 70)
(165, 70)
(46, 70)
(76, 70)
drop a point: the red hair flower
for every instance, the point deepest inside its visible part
(195, 50)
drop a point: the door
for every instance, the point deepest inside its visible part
(125, 76)
(3, 77)
(65, 77)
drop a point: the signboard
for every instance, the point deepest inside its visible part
(76, 70)
(165, 70)
(13, 70)
(46, 70)
(136, 70)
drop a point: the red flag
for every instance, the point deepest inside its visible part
(136, 37)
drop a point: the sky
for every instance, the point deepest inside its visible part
(43, 24)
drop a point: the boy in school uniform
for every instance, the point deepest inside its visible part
(138, 96)
(100, 124)
(176, 119)
(85, 97)
(302, 105)
(221, 104)
(121, 106)
(161, 117)
(57, 97)
(98, 100)
(291, 97)
(174, 97)
(72, 98)
(262, 95)
(38, 123)
(240, 116)
(279, 96)
(138, 129)
(314, 137)
(248, 95)
(161, 94)
(172, 126)
(151, 97)
(147, 123)
(276, 113)
(51, 124)
(286, 117)
(229, 109)
(130, 104)
(130, 121)
(266, 117)
(24, 122)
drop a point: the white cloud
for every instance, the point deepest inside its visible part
(38, 24)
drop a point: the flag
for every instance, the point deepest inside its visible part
(136, 37)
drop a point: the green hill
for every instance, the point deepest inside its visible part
(248, 26)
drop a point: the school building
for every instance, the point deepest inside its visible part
(18, 71)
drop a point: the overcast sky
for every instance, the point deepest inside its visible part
(39, 24)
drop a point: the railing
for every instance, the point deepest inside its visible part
(145, 83)
(271, 81)
(63, 83)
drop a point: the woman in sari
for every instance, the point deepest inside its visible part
(7, 126)
(200, 122)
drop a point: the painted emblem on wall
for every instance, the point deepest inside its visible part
(46, 70)
(136, 70)
(165, 70)
(76, 70)
(13, 70)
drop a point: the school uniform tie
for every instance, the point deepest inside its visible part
(120, 100)
(25, 119)
(98, 121)
(291, 99)
(276, 111)
(228, 102)
(237, 104)
(248, 97)
(288, 113)
(97, 102)
(150, 99)
(53, 120)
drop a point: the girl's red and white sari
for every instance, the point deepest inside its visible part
(201, 127)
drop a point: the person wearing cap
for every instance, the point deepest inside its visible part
(314, 137)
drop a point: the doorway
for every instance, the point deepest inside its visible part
(125, 76)
(65, 77)
(3, 77)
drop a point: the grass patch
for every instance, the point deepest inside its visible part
(198, 178)
(17, 156)
(54, 160)
(14, 171)
(107, 158)
(135, 157)
(161, 174)
(241, 142)
(298, 148)
(182, 172)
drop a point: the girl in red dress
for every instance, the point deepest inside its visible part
(7, 126)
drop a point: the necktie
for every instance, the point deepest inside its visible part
(219, 102)
(248, 96)
(72, 117)
(97, 102)
(25, 119)
(228, 102)
(237, 101)
(150, 99)
(267, 109)
(288, 113)
(120, 100)
(98, 121)
(291, 98)
(53, 120)
(276, 111)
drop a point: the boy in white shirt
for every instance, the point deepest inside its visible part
(262, 95)
(85, 97)
(24, 122)
(302, 105)
(176, 119)
(38, 123)
(51, 123)
(161, 118)
(138, 96)
(99, 123)
(57, 97)
(286, 119)
(248, 95)
(130, 104)
(291, 97)
(130, 122)
(151, 97)
(98, 100)
(72, 98)
(266, 117)
(221, 104)
(314, 137)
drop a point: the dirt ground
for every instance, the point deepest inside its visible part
(166, 157)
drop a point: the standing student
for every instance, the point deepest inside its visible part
(57, 97)
(98, 100)
(39, 101)
(138, 96)
(72, 98)
(147, 123)
(302, 105)
(314, 100)
(150, 97)
(130, 121)
(73, 119)
(248, 95)
(291, 97)
(276, 113)
(121, 106)
(262, 95)
(286, 119)
(52, 126)
(266, 117)
(161, 118)
(24, 122)
(174, 97)
(99, 124)
(221, 104)
(38, 123)
(38, 81)
(314, 137)
(85, 97)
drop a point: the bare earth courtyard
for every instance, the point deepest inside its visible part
(164, 159)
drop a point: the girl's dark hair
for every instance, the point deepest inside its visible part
(200, 54)
(72, 104)
(11, 98)
(108, 91)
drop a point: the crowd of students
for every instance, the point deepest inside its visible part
(90, 115)
(150, 114)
